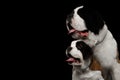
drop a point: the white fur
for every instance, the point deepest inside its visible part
(104, 46)
(77, 21)
(87, 75)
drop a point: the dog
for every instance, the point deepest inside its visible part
(87, 25)
(79, 56)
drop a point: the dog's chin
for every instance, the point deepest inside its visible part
(77, 36)
(81, 66)
(75, 64)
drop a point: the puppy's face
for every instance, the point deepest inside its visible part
(79, 54)
(82, 20)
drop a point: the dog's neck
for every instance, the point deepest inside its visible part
(102, 34)
(79, 71)
(93, 39)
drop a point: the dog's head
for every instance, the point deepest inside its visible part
(79, 54)
(83, 20)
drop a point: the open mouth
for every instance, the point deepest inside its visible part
(83, 34)
(74, 61)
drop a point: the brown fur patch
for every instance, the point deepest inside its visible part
(118, 61)
(95, 65)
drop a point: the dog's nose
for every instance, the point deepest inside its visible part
(69, 49)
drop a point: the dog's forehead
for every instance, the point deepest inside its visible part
(76, 9)
(73, 43)
(77, 21)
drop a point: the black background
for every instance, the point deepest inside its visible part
(107, 8)
(40, 38)
(44, 35)
(47, 37)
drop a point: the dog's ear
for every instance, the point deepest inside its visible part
(85, 49)
(93, 19)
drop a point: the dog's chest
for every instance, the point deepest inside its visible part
(91, 75)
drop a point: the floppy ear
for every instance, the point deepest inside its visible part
(96, 23)
(85, 49)
(93, 20)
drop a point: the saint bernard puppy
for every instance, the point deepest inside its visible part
(79, 56)
(87, 25)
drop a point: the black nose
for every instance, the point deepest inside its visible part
(69, 49)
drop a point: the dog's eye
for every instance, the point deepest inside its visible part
(80, 45)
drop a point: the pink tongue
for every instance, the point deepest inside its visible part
(72, 30)
(70, 60)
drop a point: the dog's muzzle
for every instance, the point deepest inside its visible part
(70, 59)
(83, 33)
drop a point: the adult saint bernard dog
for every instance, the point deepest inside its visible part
(87, 25)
